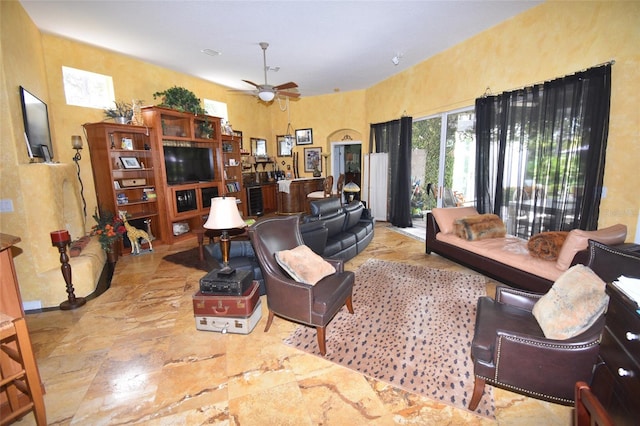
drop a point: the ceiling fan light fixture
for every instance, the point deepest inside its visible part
(266, 95)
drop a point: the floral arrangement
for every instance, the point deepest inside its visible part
(108, 228)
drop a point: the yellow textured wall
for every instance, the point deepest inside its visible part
(22, 59)
(132, 79)
(324, 115)
(548, 41)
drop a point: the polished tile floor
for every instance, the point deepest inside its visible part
(133, 356)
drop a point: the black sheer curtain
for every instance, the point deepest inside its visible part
(394, 137)
(541, 153)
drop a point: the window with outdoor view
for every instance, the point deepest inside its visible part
(443, 161)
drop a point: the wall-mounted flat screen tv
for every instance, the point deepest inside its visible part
(185, 164)
(36, 125)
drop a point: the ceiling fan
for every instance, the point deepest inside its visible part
(267, 92)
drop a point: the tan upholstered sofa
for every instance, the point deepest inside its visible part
(507, 259)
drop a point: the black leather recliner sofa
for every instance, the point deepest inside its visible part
(335, 231)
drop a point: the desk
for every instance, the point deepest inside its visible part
(292, 194)
(616, 380)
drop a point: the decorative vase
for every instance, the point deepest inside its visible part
(114, 252)
(317, 173)
(120, 120)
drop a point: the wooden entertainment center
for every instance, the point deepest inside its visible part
(130, 170)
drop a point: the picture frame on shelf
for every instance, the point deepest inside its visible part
(313, 159)
(130, 163)
(285, 145)
(127, 143)
(304, 136)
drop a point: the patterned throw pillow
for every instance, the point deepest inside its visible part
(479, 227)
(303, 265)
(547, 245)
(572, 305)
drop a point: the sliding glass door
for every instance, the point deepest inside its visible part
(443, 161)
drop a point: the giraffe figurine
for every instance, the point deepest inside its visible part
(134, 234)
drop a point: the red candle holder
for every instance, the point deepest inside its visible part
(61, 239)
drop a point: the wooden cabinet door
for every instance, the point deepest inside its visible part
(269, 198)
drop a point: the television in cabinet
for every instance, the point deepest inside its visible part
(191, 166)
(187, 164)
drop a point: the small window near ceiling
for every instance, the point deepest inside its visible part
(87, 89)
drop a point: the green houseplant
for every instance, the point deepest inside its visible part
(180, 99)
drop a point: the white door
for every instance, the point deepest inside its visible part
(374, 188)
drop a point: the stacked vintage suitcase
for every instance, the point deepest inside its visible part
(227, 303)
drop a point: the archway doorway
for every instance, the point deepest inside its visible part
(346, 157)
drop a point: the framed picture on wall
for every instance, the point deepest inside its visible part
(312, 159)
(304, 137)
(285, 145)
(259, 147)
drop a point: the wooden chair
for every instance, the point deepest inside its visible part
(588, 411)
(327, 187)
(340, 186)
(20, 382)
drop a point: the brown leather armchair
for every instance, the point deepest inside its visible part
(313, 305)
(509, 349)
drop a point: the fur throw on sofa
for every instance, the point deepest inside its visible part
(547, 245)
(479, 227)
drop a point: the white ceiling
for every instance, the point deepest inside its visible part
(323, 46)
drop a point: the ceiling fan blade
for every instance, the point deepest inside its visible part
(285, 86)
(252, 83)
(289, 94)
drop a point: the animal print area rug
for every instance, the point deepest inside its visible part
(412, 328)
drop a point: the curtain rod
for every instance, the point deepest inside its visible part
(487, 91)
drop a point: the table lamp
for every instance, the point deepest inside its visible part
(224, 216)
(352, 188)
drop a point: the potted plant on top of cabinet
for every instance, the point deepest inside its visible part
(122, 113)
(180, 99)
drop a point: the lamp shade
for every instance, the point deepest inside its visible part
(351, 187)
(76, 142)
(224, 214)
(266, 95)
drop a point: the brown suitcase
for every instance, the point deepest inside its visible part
(227, 306)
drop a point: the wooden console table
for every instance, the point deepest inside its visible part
(292, 194)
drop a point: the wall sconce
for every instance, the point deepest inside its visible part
(76, 143)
